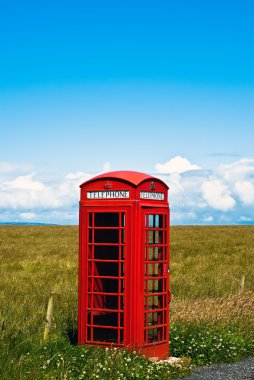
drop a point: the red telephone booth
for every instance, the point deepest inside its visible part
(124, 263)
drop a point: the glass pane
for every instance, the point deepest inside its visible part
(151, 221)
(123, 236)
(155, 335)
(150, 237)
(90, 236)
(152, 270)
(123, 219)
(154, 221)
(89, 333)
(121, 320)
(152, 335)
(161, 286)
(123, 252)
(153, 302)
(153, 286)
(105, 285)
(159, 221)
(90, 252)
(154, 237)
(154, 253)
(102, 301)
(106, 269)
(106, 236)
(106, 219)
(105, 335)
(106, 252)
(152, 319)
(121, 336)
(156, 302)
(122, 286)
(105, 319)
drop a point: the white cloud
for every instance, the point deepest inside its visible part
(69, 189)
(27, 215)
(174, 181)
(245, 219)
(222, 195)
(208, 219)
(78, 176)
(237, 171)
(245, 191)
(176, 164)
(25, 182)
(27, 192)
(217, 195)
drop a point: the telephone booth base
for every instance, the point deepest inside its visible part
(160, 351)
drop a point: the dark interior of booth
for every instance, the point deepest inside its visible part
(107, 248)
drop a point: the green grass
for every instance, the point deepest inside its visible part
(209, 261)
(212, 316)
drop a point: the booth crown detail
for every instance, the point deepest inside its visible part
(123, 263)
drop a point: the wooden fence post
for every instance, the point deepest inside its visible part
(242, 283)
(49, 316)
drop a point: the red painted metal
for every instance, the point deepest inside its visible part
(124, 290)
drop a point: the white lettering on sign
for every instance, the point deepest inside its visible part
(152, 195)
(112, 194)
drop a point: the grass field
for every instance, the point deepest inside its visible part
(212, 310)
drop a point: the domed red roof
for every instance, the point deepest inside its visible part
(135, 178)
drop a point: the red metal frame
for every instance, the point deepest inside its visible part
(123, 263)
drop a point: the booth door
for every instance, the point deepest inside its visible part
(156, 286)
(106, 247)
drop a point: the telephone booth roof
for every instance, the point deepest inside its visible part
(132, 177)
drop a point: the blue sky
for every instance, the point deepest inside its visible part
(162, 87)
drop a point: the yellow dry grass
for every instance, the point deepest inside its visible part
(236, 307)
